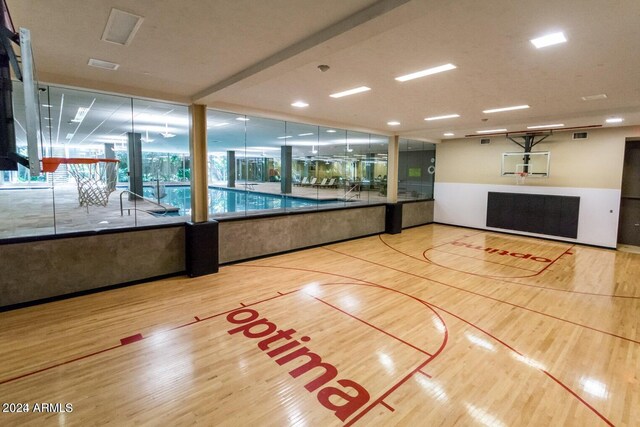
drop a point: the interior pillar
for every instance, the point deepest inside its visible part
(392, 169)
(198, 149)
(135, 164)
(286, 153)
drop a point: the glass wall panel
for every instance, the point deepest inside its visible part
(226, 148)
(416, 170)
(306, 155)
(26, 202)
(163, 134)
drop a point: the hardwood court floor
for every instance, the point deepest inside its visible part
(435, 326)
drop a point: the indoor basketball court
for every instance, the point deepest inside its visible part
(437, 325)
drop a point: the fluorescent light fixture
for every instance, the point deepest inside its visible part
(491, 131)
(69, 136)
(331, 131)
(448, 116)
(299, 104)
(393, 123)
(166, 133)
(285, 137)
(80, 114)
(615, 120)
(217, 125)
(449, 134)
(426, 72)
(47, 106)
(105, 65)
(305, 134)
(350, 92)
(549, 40)
(500, 110)
(242, 119)
(121, 27)
(557, 125)
(594, 97)
(146, 137)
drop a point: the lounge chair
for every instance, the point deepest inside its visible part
(313, 181)
(305, 181)
(322, 184)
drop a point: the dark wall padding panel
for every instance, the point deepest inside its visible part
(534, 213)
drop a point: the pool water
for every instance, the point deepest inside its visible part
(222, 200)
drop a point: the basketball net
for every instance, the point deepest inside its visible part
(95, 181)
(521, 177)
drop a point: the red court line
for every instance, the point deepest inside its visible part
(547, 373)
(424, 254)
(501, 279)
(486, 296)
(383, 403)
(425, 374)
(446, 338)
(28, 374)
(483, 260)
(242, 304)
(131, 339)
(372, 326)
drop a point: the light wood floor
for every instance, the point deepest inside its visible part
(431, 327)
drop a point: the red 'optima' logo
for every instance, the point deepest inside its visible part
(277, 344)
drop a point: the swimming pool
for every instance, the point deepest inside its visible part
(223, 200)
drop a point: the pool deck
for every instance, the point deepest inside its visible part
(29, 210)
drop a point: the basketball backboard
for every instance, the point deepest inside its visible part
(535, 164)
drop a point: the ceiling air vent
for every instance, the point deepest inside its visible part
(485, 141)
(121, 27)
(105, 65)
(580, 135)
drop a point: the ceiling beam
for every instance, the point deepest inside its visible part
(375, 10)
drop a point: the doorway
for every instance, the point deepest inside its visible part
(629, 224)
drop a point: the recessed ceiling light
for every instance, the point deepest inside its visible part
(331, 131)
(393, 123)
(69, 136)
(242, 119)
(557, 125)
(80, 114)
(448, 116)
(121, 27)
(549, 40)
(615, 120)
(217, 125)
(47, 106)
(594, 97)
(491, 131)
(305, 134)
(285, 137)
(350, 92)
(105, 65)
(449, 134)
(426, 72)
(299, 104)
(499, 110)
(47, 118)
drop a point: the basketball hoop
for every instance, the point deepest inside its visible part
(521, 177)
(95, 178)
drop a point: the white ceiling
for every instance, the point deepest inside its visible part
(260, 56)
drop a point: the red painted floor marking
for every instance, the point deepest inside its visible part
(197, 318)
(547, 373)
(372, 326)
(487, 296)
(425, 374)
(386, 405)
(242, 304)
(484, 260)
(131, 339)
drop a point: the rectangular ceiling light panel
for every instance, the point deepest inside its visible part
(426, 72)
(500, 110)
(549, 40)
(121, 27)
(350, 92)
(105, 65)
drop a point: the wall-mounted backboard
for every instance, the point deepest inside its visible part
(535, 164)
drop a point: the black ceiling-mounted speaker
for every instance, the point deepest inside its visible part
(580, 135)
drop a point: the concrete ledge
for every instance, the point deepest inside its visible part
(250, 238)
(417, 213)
(42, 269)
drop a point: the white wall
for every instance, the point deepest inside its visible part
(466, 205)
(590, 169)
